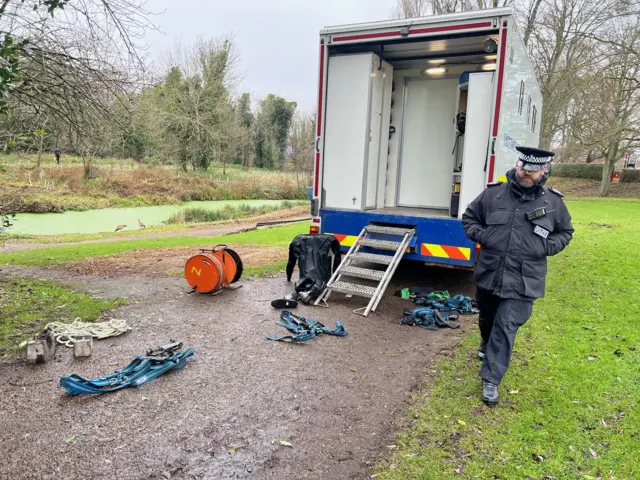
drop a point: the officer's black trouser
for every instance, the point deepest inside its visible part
(500, 319)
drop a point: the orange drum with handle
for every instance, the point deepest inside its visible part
(204, 272)
(213, 269)
(228, 265)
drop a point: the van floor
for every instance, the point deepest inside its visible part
(413, 211)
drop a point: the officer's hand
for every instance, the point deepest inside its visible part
(482, 237)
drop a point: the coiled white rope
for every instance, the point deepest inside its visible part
(67, 333)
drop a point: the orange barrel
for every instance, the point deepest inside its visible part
(204, 272)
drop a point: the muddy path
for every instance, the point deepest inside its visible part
(337, 401)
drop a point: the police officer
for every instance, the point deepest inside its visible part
(518, 224)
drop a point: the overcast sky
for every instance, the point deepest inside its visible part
(277, 39)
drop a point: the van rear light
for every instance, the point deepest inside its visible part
(314, 230)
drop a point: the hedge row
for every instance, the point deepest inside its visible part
(577, 170)
(630, 176)
(591, 172)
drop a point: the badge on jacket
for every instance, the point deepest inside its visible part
(543, 232)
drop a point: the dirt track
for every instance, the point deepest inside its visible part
(162, 261)
(338, 401)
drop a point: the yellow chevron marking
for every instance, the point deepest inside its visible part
(436, 250)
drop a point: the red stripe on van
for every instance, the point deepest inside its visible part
(416, 31)
(367, 36)
(316, 182)
(450, 28)
(496, 115)
(320, 91)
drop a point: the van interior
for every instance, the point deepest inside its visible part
(407, 124)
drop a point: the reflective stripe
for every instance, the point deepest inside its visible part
(433, 250)
(445, 251)
(345, 240)
(428, 249)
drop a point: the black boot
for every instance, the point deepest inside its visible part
(482, 349)
(489, 392)
(284, 303)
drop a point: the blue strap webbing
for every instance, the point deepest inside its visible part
(461, 303)
(141, 370)
(305, 329)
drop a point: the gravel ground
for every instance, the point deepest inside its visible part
(337, 401)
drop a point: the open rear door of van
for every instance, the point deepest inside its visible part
(476, 137)
(357, 90)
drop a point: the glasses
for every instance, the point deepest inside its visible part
(529, 167)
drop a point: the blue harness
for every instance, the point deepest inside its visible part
(423, 317)
(305, 329)
(460, 303)
(141, 370)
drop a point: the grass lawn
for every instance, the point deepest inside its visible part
(49, 159)
(276, 237)
(26, 306)
(569, 405)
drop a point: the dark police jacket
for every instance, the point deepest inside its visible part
(313, 254)
(513, 258)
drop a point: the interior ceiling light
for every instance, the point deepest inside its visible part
(490, 45)
(491, 57)
(436, 71)
(436, 61)
(489, 66)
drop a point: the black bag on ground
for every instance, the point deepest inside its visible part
(309, 289)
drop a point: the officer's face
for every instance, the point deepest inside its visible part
(528, 179)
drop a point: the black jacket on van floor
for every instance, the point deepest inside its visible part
(513, 257)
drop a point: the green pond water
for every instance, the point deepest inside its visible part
(107, 219)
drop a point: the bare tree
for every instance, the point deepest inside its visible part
(563, 54)
(75, 57)
(8, 203)
(420, 8)
(301, 146)
(198, 111)
(609, 118)
(411, 8)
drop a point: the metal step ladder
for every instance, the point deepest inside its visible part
(352, 267)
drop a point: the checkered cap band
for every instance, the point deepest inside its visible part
(530, 167)
(533, 159)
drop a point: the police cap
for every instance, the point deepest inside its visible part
(533, 159)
